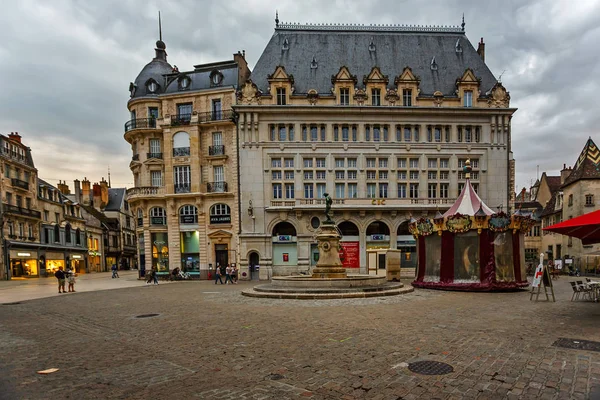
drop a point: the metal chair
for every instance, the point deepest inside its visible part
(585, 289)
(576, 291)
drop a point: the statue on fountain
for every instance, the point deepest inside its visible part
(328, 203)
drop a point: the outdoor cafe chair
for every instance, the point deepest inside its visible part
(576, 291)
(585, 289)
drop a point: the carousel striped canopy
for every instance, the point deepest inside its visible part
(468, 203)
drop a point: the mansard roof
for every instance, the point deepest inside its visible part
(588, 164)
(360, 48)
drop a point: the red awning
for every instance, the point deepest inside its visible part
(585, 227)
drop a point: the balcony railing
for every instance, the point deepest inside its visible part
(145, 191)
(216, 187)
(216, 150)
(181, 151)
(18, 183)
(363, 202)
(181, 119)
(183, 188)
(16, 156)
(136, 157)
(223, 115)
(154, 155)
(140, 123)
(9, 208)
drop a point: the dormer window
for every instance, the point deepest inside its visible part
(286, 45)
(152, 86)
(371, 46)
(184, 83)
(216, 78)
(313, 63)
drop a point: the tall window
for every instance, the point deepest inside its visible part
(181, 144)
(289, 190)
(154, 147)
(414, 190)
(216, 110)
(308, 191)
(314, 133)
(182, 178)
(444, 190)
(184, 112)
(282, 133)
(217, 139)
(340, 190)
(375, 97)
(432, 190)
(383, 190)
(277, 192)
(344, 96)
(406, 97)
(156, 178)
(437, 133)
(468, 98)
(345, 134)
(321, 189)
(188, 214)
(352, 190)
(219, 173)
(402, 190)
(281, 97)
(407, 134)
(371, 190)
(153, 114)
(468, 134)
(220, 214)
(158, 216)
(68, 233)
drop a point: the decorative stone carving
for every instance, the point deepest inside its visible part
(249, 93)
(499, 97)
(312, 97)
(360, 96)
(392, 96)
(438, 98)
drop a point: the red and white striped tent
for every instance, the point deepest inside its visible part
(468, 203)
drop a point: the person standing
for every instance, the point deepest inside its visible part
(234, 274)
(60, 275)
(71, 279)
(218, 275)
(115, 273)
(154, 275)
(228, 275)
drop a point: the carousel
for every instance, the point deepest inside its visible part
(471, 247)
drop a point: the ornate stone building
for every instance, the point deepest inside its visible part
(383, 118)
(183, 138)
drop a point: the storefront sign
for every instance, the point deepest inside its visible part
(189, 219)
(76, 257)
(157, 220)
(351, 251)
(24, 254)
(284, 238)
(377, 237)
(220, 219)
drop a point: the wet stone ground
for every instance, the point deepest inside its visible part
(209, 342)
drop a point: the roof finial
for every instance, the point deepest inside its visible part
(159, 28)
(467, 169)
(109, 176)
(463, 22)
(276, 19)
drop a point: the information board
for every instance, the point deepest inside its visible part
(351, 254)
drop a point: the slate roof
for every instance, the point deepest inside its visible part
(115, 199)
(334, 46)
(587, 165)
(550, 206)
(553, 183)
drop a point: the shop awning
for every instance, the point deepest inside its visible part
(585, 227)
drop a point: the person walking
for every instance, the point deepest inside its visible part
(228, 275)
(60, 275)
(234, 274)
(218, 275)
(154, 276)
(115, 273)
(71, 279)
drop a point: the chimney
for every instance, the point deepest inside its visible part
(481, 50)
(97, 196)
(86, 193)
(103, 192)
(77, 189)
(243, 70)
(15, 136)
(63, 187)
(564, 173)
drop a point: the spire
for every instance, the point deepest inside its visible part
(161, 54)
(463, 23)
(159, 28)
(276, 19)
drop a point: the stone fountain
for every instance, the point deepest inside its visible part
(329, 279)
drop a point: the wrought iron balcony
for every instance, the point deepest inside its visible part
(20, 184)
(181, 119)
(140, 123)
(136, 157)
(216, 150)
(181, 151)
(223, 115)
(9, 208)
(216, 187)
(183, 188)
(154, 155)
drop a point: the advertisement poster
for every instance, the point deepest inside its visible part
(351, 254)
(286, 257)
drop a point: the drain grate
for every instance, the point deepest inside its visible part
(147, 315)
(577, 344)
(430, 368)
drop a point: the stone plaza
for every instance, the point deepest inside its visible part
(209, 342)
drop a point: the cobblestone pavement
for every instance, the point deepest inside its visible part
(209, 342)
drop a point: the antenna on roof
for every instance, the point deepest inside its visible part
(109, 176)
(159, 27)
(463, 22)
(276, 19)
(500, 77)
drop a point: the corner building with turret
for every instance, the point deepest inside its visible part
(383, 118)
(182, 134)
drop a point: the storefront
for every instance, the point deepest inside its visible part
(285, 247)
(94, 261)
(190, 252)
(24, 264)
(350, 243)
(160, 251)
(378, 235)
(408, 245)
(54, 260)
(78, 263)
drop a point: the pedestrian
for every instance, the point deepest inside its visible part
(218, 275)
(115, 273)
(228, 275)
(60, 275)
(71, 279)
(234, 274)
(154, 275)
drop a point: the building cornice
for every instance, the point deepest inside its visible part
(286, 26)
(379, 110)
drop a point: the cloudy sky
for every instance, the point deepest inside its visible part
(66, 66)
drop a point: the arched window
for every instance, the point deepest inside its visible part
(284, 228)
(56, 233)
(188, 214)
(158, 216)
(181, 144)
(78, 237)
(348, 229)
(68, 233)
(140, 217)
(220, 214)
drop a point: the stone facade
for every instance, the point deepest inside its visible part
(386, 147)
(185, 164)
